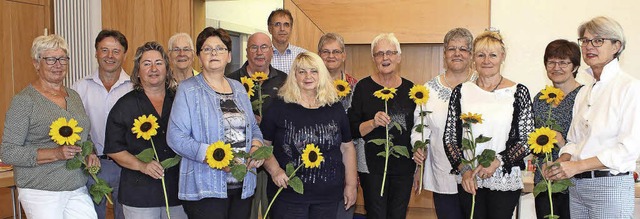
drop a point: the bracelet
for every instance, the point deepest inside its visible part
(465, 168)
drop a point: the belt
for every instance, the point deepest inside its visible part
(104, 157)
(597, 173)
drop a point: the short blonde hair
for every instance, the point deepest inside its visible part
(290, 92)
(489, 41)
(49, 42)
(390, 37)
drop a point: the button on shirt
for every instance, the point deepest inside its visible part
(606, 121)
(284, 61)
(98, 101)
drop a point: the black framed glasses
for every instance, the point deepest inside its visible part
(595, 42)
(326, 52)
(218, 50)
(263, 48)
(184, 49)
(52, 60)
(381, 54)
(552, 64)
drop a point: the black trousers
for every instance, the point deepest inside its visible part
(283, 209)
(447, 206)
(232, 207)
(489, 204)
(393, 204)
(560, 205)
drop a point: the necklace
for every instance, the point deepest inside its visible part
(447, 82)
(499, 82)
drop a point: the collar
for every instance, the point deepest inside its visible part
(608, 72)
(122, 78)
(286, 51)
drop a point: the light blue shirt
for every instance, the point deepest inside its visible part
(98, 101)
(196, 122)
(283, 61)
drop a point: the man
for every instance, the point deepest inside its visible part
(280, 23)
(259, 54)
(181, 55)
(99, 92)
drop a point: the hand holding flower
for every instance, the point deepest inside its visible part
(381, 119)
(152, 169)
(280, 178)
(92, 160)
(419, 155)
(469, 183)
(67, 152)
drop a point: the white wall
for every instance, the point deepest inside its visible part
(246, 15)
(529, 25)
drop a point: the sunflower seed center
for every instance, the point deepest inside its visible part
(65, 131)
(218, 154)
(340, 88)
(552, 95)
(313, 156)
(246, 87)
(385, 91)
(419, 95)
(542, 140)
(145, 126)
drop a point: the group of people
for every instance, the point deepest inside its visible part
(197, 108)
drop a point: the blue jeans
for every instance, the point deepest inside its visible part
(110, 172)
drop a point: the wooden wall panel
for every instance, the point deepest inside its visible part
(305, 33)
(147, 20)
(413, 21)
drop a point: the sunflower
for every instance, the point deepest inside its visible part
(145, 127)
(342, 87)
(311, 156)
(219, 155)
(248, 85)
(259, 76)
(63, 132)
(471, 118)
(552, 95)
(542, 140)
(385, 93)
(419, 94)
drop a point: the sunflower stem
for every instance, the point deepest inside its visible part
(547, 159)
(95, 178)
(425, 147)
(164, 187)
(278, 193)
(386, 153)
(259, 88)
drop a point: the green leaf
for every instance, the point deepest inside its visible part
(296, 184)
(262, 153)
(482, 139)
(289, 169)
(419, 128)
(397, 126)
(424, 113)
(87, 148)
(146, 156)
(239, 171)
(419, 145)
(467, 144)
(378, 141)
(539, 188)
(381, 154)
(170, 162)
(74, 163)
(550, 216)
(99, 190)
(240, 154)
(486, 157)
(265, 96)
(560, 185)
(394, 154)
(402, 150)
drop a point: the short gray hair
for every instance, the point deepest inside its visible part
(176, 36)
(49, 42)
(459, 33)
(607, 27)
(328, 37)
(388, 37)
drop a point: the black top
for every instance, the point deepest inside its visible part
(291, 127)
(562, 114)
(270, 86)
(136, 188)
(364, 106)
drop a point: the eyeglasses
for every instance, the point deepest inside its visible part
(595, 42)
(562, 64)
(184, 49)
(326, 52)
(388, 53)
(452, 49)
(263, 48)
(218, 50)
(279, 24)
(52, 60)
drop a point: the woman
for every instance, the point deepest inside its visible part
(310, 113)
(506, 117)
(47, 189)
(562, 60)
(141, 190)
(331, 50)
(209, 108)
(602, 143)
(457, 59)
(368, 121)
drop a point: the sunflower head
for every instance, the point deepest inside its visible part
(311, 156)
(419, 94)
(472, 118)
(342, 87)
(248, 85)
(65, 132)
(385, 93)
(145, 126)
(541, 140)
(219, 155)
(259, 76)
(552, 95)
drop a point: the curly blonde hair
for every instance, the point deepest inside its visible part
(326, 92)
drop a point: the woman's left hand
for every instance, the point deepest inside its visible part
(350, 196)
(92, 160)
(487, 172)
(255, 163)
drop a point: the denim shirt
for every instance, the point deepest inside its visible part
(196, 122)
